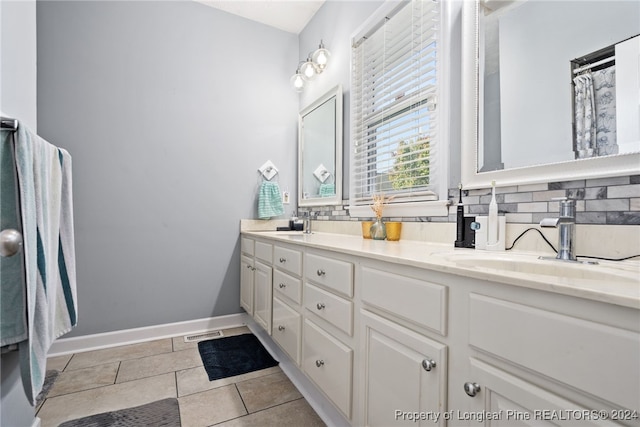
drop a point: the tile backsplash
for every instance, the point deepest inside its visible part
(604, 201)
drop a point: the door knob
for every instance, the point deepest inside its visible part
(471, 388)
(10, 242)
(428, 364)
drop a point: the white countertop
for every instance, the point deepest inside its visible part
(608, 281)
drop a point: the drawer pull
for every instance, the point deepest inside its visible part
(319, 363)
(320, 272)
(428, 364)
(248, 266)
(471, 388)
(281, 328)
(282, 286)
(282, 259)
(320, 305)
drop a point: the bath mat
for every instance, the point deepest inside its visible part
(235, 355)
(162, 413)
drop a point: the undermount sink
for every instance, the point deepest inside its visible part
(532, 265)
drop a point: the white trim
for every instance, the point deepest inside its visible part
(137, 335)
(411, 209)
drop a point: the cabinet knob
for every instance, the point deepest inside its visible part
(319, 363)
(10, 242)
(283, 259)
(248, 266)
(281, 328)
(282, 286)
(320, 272)
(428, 364)
(320, 305)
(471, 388)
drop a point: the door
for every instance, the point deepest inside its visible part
(262, 281)
(246, 283)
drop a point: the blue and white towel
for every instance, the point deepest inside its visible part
(269, 200)
(44, 175)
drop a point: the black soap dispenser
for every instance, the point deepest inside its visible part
(465, 235)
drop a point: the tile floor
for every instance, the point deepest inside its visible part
(132, 375)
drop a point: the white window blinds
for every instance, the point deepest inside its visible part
(395, 106)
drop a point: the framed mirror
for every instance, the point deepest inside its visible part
(520, 114)
(320, 151)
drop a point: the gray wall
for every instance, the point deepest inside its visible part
(168, 109)
(17, 99)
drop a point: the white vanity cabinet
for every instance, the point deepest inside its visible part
(403, 369)
(287, 297)
(247, 268)
(544, 359)
(328, 353)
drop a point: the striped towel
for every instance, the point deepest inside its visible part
(44, 175)
(327, 190)
(269, 200)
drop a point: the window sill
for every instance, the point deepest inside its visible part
(410, 209)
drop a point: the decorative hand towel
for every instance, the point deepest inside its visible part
(13, 293)
(327, 190)
(44, 175)
(269, 200)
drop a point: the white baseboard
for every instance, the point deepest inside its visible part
(149, 333)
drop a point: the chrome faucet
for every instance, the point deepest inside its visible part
(307, 223)
(566, 225)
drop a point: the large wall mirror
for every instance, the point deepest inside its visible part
(551, 90)
(320, 151)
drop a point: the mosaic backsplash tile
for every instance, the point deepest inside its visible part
(612, 201)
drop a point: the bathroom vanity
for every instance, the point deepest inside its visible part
(397, 332)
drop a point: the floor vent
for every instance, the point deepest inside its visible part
(203, 336)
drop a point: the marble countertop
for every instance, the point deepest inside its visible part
(608, 281)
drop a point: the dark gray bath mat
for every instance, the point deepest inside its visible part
(235, 355)
(163, 413)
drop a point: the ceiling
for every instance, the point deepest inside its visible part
(288, 15)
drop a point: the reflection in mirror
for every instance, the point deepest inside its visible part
(320, 151)
(528, 114)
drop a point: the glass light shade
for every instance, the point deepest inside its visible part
(297, 81)
(308, 70)
(321, 57)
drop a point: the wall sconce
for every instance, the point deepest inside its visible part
(315, 64)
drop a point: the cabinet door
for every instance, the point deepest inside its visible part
(404, 372)
(262, 295)
(510, 401)
(246, 283)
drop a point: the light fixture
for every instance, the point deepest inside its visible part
(321, 57)
(315, 64)
(297, 81)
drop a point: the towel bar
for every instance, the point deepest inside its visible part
(8, 348)
(9, 124)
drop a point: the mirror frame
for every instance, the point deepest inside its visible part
(595, 167)
(337, 198)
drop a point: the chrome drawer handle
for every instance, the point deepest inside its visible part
(320, 272)
(471, 388)
(282, 286)
(281, 328)
(320, 305)
(428, 364)
(319, 363)
(283, 260)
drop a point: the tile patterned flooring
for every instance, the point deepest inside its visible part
(120, 377)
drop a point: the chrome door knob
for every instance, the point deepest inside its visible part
(281, 328)
(282, 285)
(428, 364)
(471, 388)
(283, 260)
(10, 242)
(320, 272)
(319, 363)
(320, 305)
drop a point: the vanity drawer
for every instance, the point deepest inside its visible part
(332, 308)
(264, 251)
(246, 245)
(330, 273)
(287, 285)
(411, 299)
(599, 359)
(286, 329)
(288, 259)
(329, 363)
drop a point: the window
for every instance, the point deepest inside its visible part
(398, 140)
